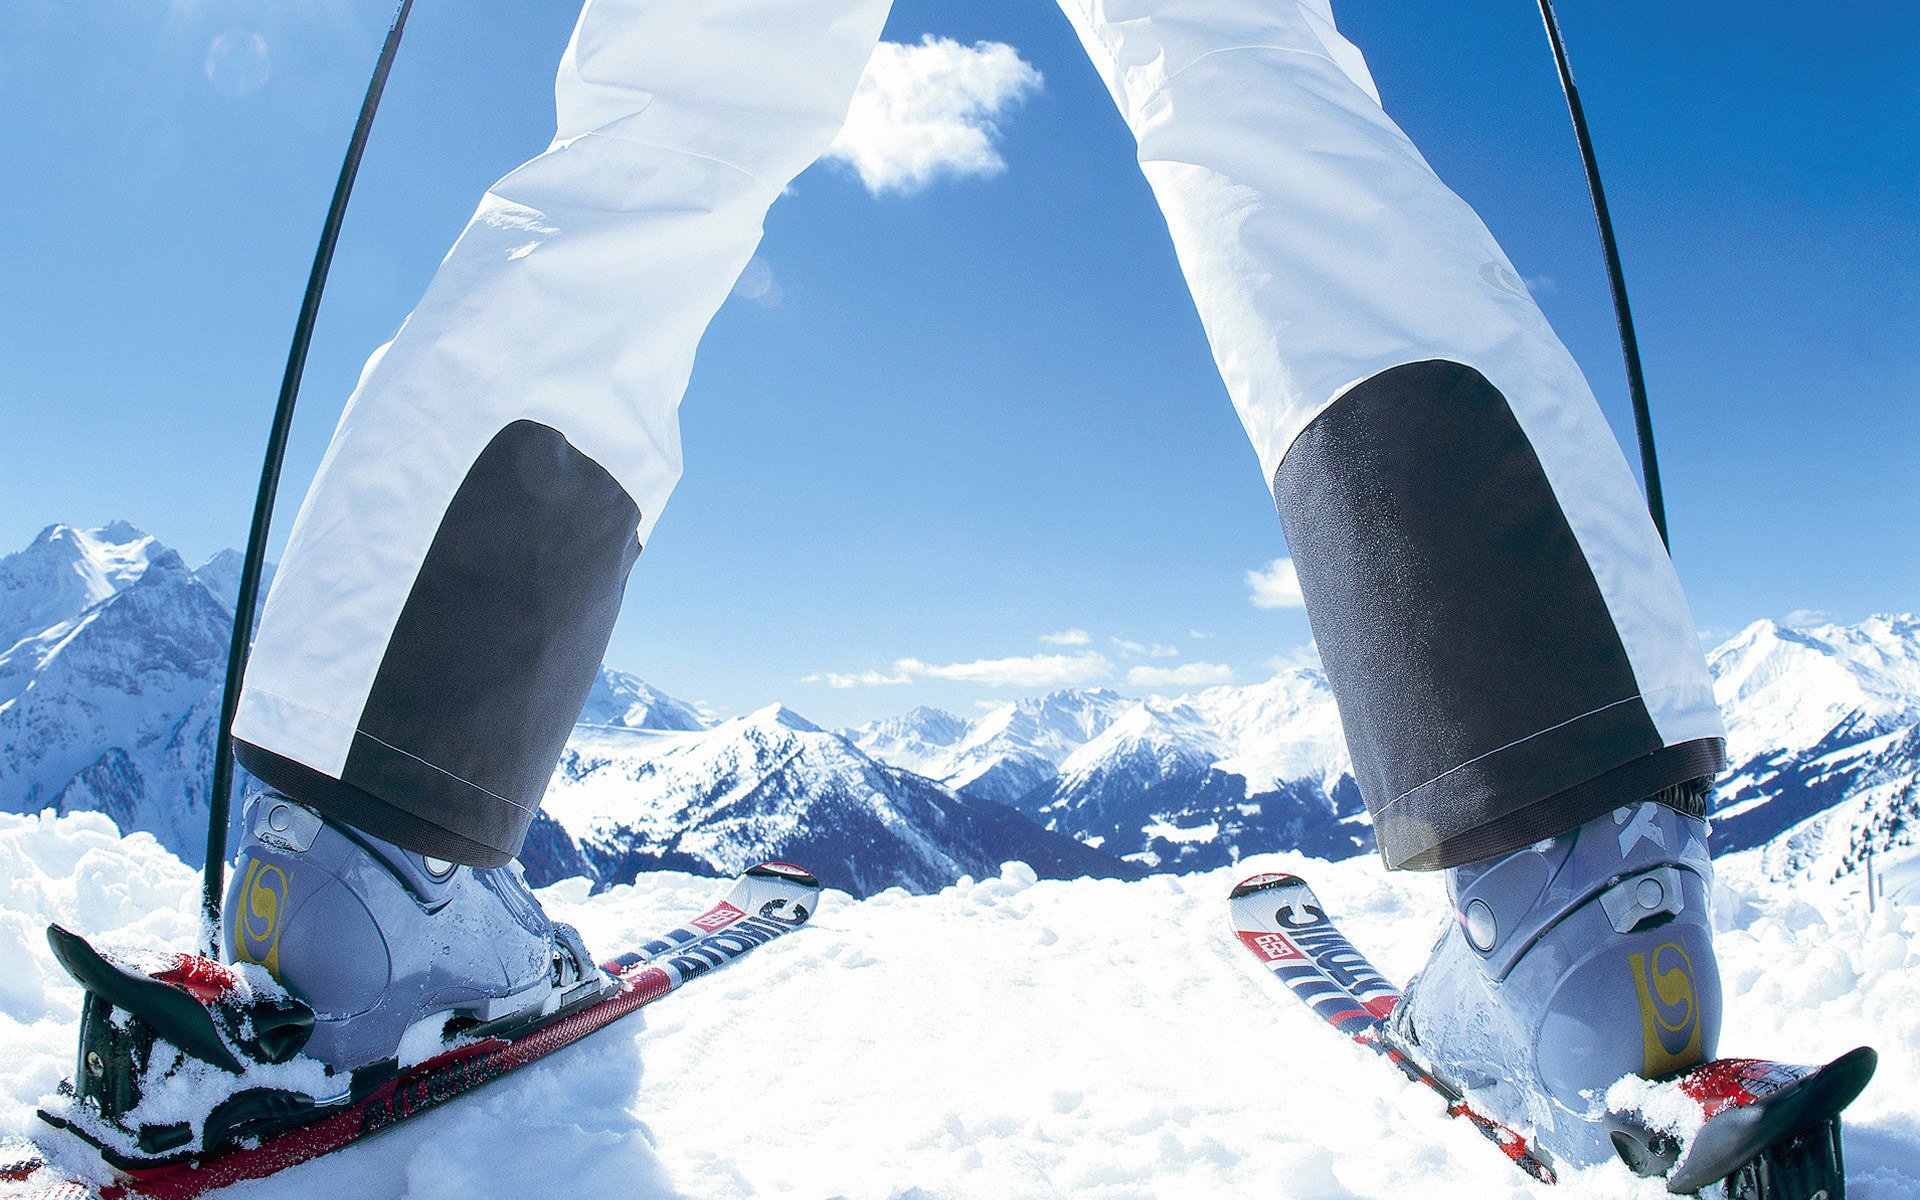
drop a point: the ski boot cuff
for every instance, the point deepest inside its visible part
(1644, 864)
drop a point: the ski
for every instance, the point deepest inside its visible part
(1279, 919)
(763, 903)
(1760, 1130)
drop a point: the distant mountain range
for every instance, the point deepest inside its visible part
(114, 651)
(1181, 785)
(110, 693)
(109, 687)
(1823, 730)
(774, 785)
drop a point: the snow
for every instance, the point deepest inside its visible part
(63, 572)
(1002, 1037)
(623, 700)
(1786, 688)
(1008, 751)
(772, 784)
(917, 740)
(1898, 879)
(1284, 729)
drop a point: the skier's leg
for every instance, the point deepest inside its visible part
(1497, 616)
(453, 576)
(452, 579)
(1513, 660)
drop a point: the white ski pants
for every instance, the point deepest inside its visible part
(1503, 630)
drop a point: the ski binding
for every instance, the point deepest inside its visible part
(185, 1032)
(1752, 1130)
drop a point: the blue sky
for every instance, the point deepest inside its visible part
(958, 420)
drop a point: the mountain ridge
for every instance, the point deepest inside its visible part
(109, 705)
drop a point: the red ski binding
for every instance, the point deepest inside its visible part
(1769, 1131)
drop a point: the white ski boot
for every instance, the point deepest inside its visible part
(1568, 966)
(393, 951)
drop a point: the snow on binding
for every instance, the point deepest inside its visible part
(184, 1032)
(1744, 1129)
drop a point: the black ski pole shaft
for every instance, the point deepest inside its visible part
(1623, 316)
(220, 797)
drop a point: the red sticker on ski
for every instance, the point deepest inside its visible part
(1270, 947)
(719, 916)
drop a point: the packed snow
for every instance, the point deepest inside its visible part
(1003, 1037)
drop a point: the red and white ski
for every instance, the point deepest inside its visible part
(1761, 1130)
(1279, 919)
(764, 903)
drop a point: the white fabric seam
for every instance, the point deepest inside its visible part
(358, 732)
(1640, 696)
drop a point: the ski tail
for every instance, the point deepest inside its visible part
(1765, 1130)
(1282, 923)
(765, 902)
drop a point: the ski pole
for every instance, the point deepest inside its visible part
(1623, 316)
(220, 797)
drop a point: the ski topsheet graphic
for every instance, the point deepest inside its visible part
(87, 1156)
(1756, 1130)
(1279, 919)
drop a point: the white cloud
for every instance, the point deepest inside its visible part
(1194, 674)
(1141, 650)
(1199, 635)
(1300, 656)
(932, 109)
(1276, 585)
(1027, 671)
(1067, 637)
(835, 679)
(1804, 618)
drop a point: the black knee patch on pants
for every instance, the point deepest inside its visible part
(1479, 675)
(493, 654)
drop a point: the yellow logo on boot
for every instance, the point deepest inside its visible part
(1669, 1011)
(263, 897)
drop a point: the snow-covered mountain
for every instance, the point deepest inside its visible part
(1823, 731)
(1197, 782)
(110, 705)
(918, 740)
(65, 571)
(1823, 734)
(1005, 755)
(110, 699)
(109, 688)
(629, 702)
(774, 785)
(1184, 784)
